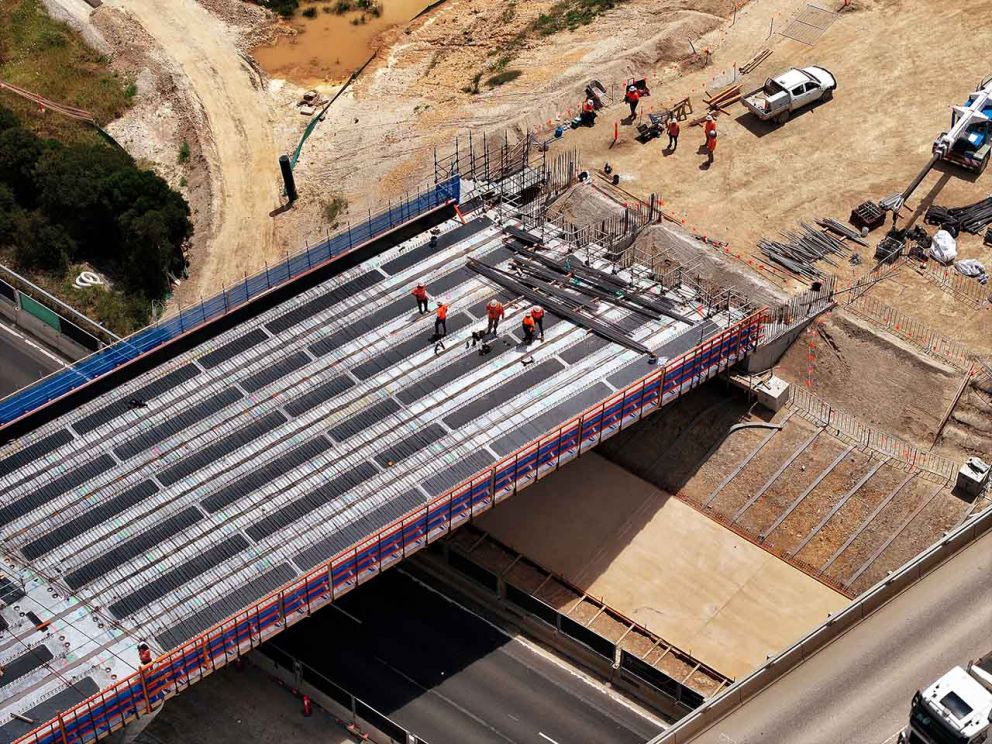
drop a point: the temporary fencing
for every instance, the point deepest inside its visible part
(852, 428)
(966, 289)
(143, 692)
(910, 329)
(165, 330)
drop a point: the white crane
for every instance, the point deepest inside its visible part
(968, 142)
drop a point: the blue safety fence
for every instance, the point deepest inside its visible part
(55, 386)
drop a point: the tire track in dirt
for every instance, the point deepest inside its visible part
(238, 142)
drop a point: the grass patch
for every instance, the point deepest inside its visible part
(503, 78)
(334, 208)
(47, 57)
(184, 153)
(570, 14)
(310, 12)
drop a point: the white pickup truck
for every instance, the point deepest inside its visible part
(790, 91)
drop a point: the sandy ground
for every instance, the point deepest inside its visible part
(196, 86)
(662, 563)
(238, 143)
(867, 143)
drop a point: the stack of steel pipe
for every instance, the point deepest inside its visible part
(972, 218)
(803, 250)
(843, 230)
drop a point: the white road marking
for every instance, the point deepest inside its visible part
(345, 613)
(33, 345)
(544, 654)
(545, 736)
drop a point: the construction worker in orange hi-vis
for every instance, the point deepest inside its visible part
(632, 96)
(528, 326)
(710, 147)
(537, 313)
(495, 313)
(709, 126)
(440, 323)
(420, 293)
(673, 134)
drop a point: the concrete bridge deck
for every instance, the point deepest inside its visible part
(167, 504)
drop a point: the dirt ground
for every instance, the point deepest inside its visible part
(660, 562)
(887, 372)
(195, 86)
(760, 183)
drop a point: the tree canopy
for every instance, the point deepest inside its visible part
(80, 202)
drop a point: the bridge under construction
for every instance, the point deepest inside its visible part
(205, 492)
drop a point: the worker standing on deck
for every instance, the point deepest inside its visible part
(537, 313)
(673, 134)
(144, 654)
(528, 327)
(710, 147)
(441, 321)
(420, 293)
(632, 97)
(495, 313)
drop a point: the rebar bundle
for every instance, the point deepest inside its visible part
(803, 250)
(972, 218)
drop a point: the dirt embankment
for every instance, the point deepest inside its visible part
(201, 118)
(873, 376)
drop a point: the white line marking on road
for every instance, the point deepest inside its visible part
(544, 654)
(33, 345)
(545, 736)
(346, 613)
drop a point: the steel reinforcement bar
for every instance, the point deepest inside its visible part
(138, 344)
(174, 671)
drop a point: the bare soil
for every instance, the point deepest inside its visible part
(757, 472)
(793, 481)
(868, 373)
(794, 529)
(969, 429)
(850, 516)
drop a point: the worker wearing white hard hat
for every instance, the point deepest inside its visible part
(495, 313)
(710, 125)
(632, 96)
(537, 313)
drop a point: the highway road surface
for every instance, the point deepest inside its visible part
(452, 678)
(858, 689)
(22, 361)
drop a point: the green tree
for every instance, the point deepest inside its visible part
(20, 151)
(7, 119)
(40, 245)
(9, 212)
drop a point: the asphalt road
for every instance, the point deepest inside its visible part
(452, 678)
(20, 362)
(859, 688)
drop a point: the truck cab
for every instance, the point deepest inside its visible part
(790, 91)
(956, 709)
(973, 148)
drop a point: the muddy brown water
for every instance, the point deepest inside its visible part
(329, 47)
